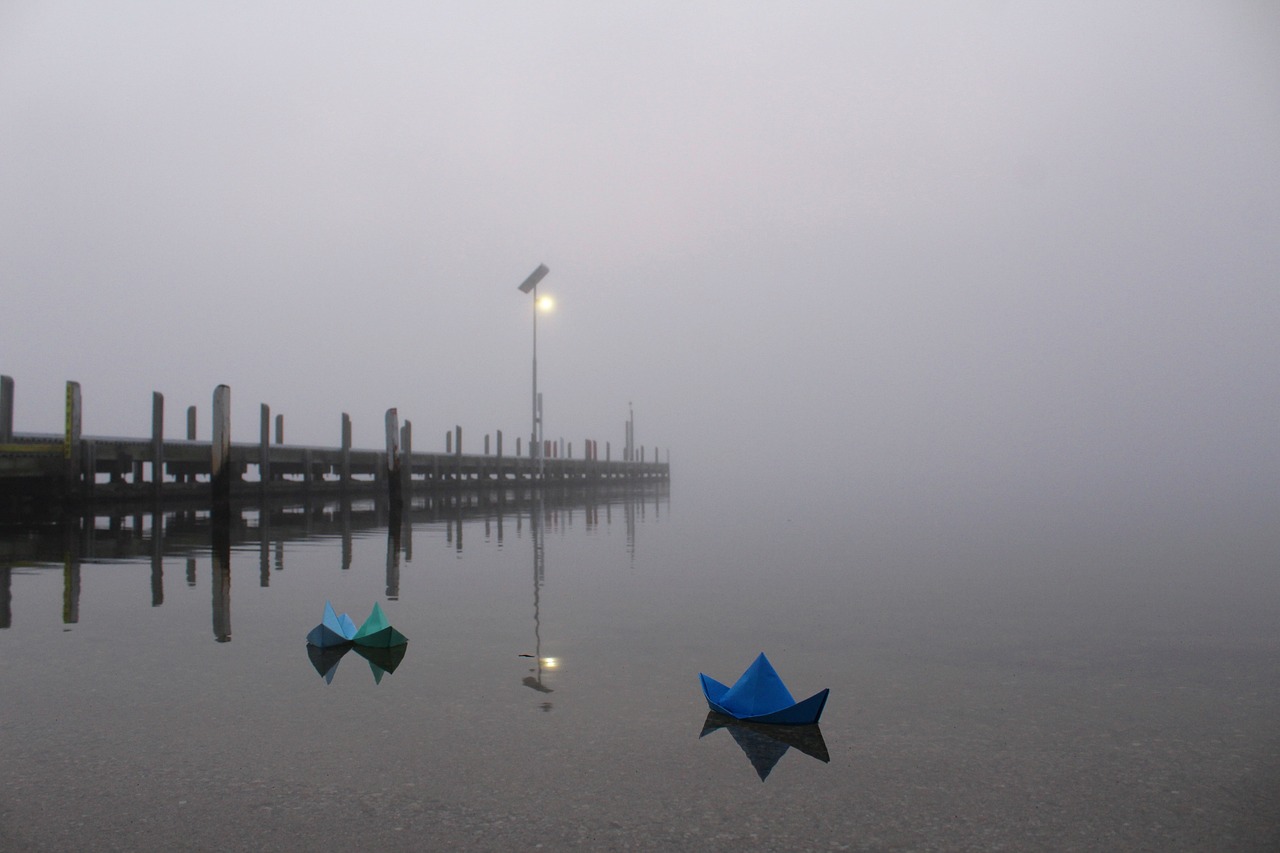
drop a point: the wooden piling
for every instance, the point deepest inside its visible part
(157, 443)
(406, 458)
(71, 441)
(392, 464)
(279, 429)
(499, 454)
(264, 446)
(345, 469)
(6, 409)
(220, 448)
(191, 423)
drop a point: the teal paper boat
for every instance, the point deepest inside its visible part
(377, 633)
(759, 696)
(333, 630)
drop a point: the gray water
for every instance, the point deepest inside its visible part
(992, 687)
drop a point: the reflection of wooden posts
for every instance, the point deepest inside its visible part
(393, 556)
(157, 443)
(6, 597)
(6, 409)
(264, 446)
(406, 459)
(264, 547)
(348, 549)
(220, 577)
(71, 590)
(220, 454)
(71, 553)
(71, 449)
(344, 469)
(157, 559)
(392, 463)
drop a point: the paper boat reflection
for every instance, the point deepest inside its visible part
(764, 744)
(759, 696)
(333, 630)
(325, 659)
(382, 660)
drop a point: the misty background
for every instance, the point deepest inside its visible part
(1002, 259)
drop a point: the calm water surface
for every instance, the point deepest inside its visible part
(990, 688)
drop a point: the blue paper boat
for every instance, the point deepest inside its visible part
(759, 696)
(333, 630)
(377, 632)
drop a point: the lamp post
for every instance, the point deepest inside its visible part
(530, 284)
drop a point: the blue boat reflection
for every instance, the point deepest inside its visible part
(764, 745)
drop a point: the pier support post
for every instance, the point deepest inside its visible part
(220, 449)
(157, 443)
(392, 464)
(499, 453)
(71, 442)
(406, 459)
(264, 446)
(6, 409)
(457, 453)
(345, 471)
(191, 423)
(279, 429)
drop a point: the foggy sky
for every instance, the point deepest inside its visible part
(1011, 253)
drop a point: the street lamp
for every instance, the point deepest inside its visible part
(530, 284)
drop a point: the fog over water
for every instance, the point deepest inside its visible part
(1008, 264)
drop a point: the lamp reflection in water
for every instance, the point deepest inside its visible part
(534, 681)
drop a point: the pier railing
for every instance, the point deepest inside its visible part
(75, 467)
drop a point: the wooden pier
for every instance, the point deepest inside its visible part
(39, 469)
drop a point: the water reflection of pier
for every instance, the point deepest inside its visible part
(163, 535)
